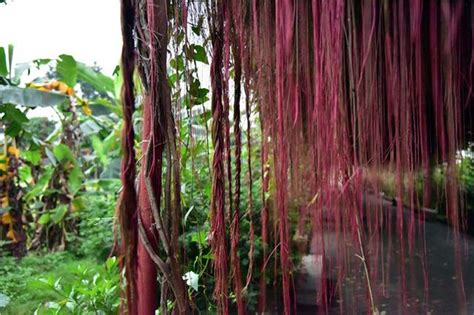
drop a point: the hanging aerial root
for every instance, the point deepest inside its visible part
(235, 213)
(127, 204)
(218, 227)
(359, 86)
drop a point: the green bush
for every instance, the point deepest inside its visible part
(95, 238)
(92, 290)
(467, 182)
(15, 276)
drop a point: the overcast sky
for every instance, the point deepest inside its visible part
(87, 29)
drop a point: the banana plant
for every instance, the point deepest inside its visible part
(53, 167)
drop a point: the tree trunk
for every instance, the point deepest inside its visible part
(147, 286)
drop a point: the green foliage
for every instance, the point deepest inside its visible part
(41, 184)
(99, 81)
(67, 69)
(13, 118)
(29, 97)
(3, 62)
(437, 182)
(91, 290)
(55, 168)
(466, 171)
(200, 54)
(95, 215)
(61, 190)
(88, 286)
(35, 132)
(12, 93)
(33, 156)
(71, 72)
(14, 277)
(62, 153)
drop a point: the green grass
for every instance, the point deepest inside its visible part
(15, 277)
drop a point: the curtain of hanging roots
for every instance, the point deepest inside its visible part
(344, 90)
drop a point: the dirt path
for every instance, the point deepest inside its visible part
(444, 294)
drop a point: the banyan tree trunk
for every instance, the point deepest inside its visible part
(150, 214)
(147, 285)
